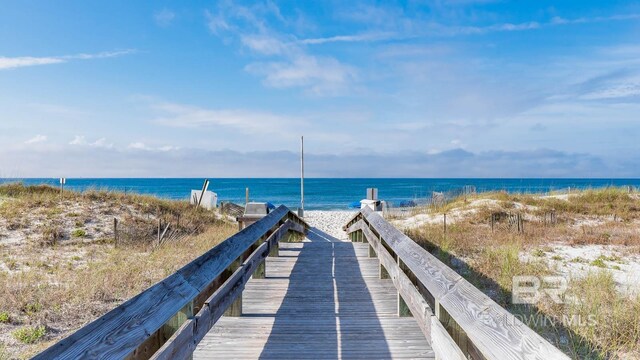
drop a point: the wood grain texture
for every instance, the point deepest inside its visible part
(222, 299)
(492, 331)
(121, 331)
(320, 299)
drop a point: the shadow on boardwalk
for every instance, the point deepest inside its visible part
(328, 311)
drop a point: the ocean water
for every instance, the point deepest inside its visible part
(324, 194)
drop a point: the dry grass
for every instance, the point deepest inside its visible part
(596, 321)
(55, 285)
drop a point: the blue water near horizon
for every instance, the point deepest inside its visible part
(323, 193)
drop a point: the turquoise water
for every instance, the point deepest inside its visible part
(325, 193)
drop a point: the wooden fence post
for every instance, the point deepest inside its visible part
(445, 225)
(115, 232)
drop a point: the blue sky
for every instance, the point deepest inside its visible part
(433, 88)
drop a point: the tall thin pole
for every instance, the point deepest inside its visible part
(302, 173)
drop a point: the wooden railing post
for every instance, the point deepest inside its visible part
(261, 269)
(384, 274)
(176, 321)
(372, 249)
(235, 309)
(274, 250)
(403, 308)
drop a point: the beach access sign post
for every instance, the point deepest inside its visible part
(301, 209)
(62, 182)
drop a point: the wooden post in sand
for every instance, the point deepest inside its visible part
(301, 211)
(115, 232)
(445, 225)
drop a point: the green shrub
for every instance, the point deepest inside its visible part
(32, 308)
(4, 317)
(538, 253)
(599, 263)
(29, 335)
(78, 233)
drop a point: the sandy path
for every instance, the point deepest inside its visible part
(330, 222)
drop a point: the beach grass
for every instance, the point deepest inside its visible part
(66, 270)
(598, 320)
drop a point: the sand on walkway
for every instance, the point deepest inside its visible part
(329, 221)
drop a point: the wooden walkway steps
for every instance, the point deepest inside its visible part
(320, 299)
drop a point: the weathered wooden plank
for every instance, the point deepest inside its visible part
(222, 299)
(119, 332)
(320, 300)
(414, 301)
(484, 322)
(443, 345)
(180, 345)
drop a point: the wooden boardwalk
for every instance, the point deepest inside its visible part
(321, 299)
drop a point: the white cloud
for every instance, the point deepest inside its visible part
(295, 66)
(80, 140)
(395, 23)
(614, 92)
(16, 62)
(10, 63)
(164, 17)
(246, 121)
(142, 146)
(36, 139)
(216, 22)
(196, 162)
(350, 38)
(320, 75)
(263, 44)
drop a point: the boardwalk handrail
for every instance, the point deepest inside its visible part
(459, 320)
(159, 322)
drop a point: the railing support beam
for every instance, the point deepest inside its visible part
(235, 309)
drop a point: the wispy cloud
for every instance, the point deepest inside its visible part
(10, 63)
(139, 160)
(400, 26)
(36, 139)
(80, 140)
(366, 37)
(294, 66)
(164, 17)
(144, 147)
(24, 61)
(320, 75)
(244, 121)
(216, 22)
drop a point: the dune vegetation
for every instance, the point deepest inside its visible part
(591, 238)
(61, 268)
